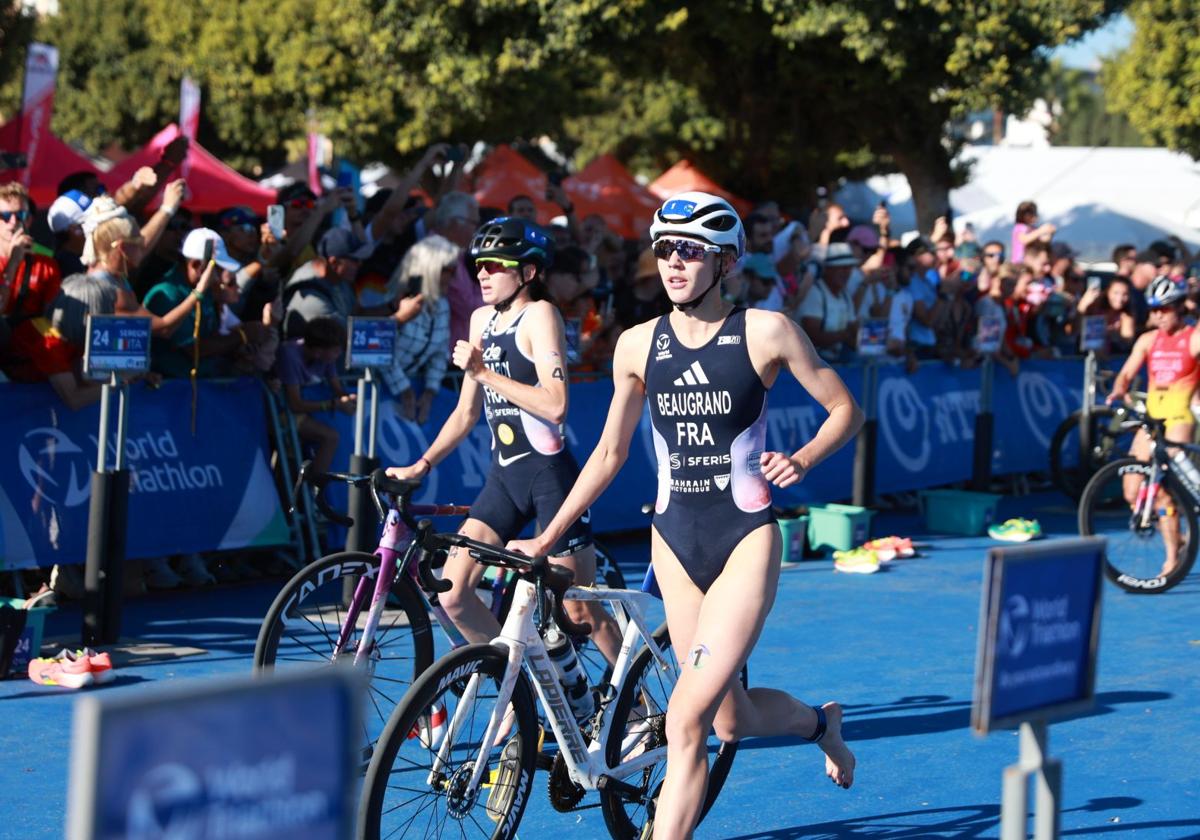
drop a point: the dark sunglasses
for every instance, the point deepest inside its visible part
(7, 215)
(244, 227)
(993, 254)
(688, 250)
(302, 203)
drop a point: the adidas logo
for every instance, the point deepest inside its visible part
(694, 375)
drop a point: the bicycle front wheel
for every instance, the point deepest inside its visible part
(1137, 558)
(303, 624)
(419, 781)
(640, 724)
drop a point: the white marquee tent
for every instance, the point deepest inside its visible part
(1098, 197)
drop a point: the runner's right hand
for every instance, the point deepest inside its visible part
(417, 470)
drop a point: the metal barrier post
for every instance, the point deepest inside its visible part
(107, 520)
(1047, 773)
(1085, 414)
(863, 493)
(363, 534)
(981, 473)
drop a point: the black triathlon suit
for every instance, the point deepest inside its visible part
(708, 416)
(532, 470)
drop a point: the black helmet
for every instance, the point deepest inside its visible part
(510, 238)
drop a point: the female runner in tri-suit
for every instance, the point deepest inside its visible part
(705, 369)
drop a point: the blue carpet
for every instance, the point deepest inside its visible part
(896, 648)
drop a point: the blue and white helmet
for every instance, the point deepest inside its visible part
(702, 216)
(1164, 291)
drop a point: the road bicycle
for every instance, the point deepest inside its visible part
(1138, 506)
(385, 624)
(458, 754)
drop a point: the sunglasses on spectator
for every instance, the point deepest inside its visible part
(244, 227)
(302, 203)
(993, 254)
(492, 265)
(7, 215)
(688, 250)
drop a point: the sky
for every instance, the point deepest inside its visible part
(1086, 53)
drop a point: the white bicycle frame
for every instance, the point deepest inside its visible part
(585, 761)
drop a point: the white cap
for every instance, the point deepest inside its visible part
(193, 248)
(67, 210)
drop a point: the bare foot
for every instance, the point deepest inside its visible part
(839, 761)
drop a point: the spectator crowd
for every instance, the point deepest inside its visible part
(231, 295)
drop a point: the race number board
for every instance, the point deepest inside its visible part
(990, 334)
(1093, 336)
(371, 343)
(872, 337)
(116, 344)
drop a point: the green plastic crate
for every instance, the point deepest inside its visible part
(963, 512)
(29, 646)
(794, 532)
(838, 527)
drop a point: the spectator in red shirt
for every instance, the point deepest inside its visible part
(29, 282)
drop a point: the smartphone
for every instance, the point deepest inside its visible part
(414, 286)
(1094, 282)
(555, 178)
(207, 255)
(822, 198)
(454, 154)
(275, 221)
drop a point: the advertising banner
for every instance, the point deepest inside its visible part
(187, 494)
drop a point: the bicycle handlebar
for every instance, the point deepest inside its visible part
(554, 577)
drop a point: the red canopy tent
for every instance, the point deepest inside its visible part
(683, 176)
(504, 174)
(605, 187)
(55, 161)
(212, 185)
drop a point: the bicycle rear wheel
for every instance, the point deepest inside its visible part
(639, 724)
(1136, 554)
(410, 792)
(302, 626)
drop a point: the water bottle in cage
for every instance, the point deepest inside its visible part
(562, 654)
(1185, 469)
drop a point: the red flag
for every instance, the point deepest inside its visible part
(37, 104)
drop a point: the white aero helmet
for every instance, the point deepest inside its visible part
(1164, 291)
(702, 216)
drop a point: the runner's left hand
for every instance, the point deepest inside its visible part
(781, 470)
(530, 548)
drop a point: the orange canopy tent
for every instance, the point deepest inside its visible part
(55, 161)
(212, 185)
(606, 188)
(505, 174)
(683, 176)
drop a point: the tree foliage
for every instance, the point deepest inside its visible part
(1156, 82)
(770, 96)
(1077, 102)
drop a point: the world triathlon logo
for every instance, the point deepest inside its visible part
(55, 467)
(1014, 627)
(904, 421)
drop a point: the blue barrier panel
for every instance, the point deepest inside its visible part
(926, 426)
(1029, 409)
(187, 493)
(792, 419)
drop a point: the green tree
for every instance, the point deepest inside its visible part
(1156, 81)
(1077, 101)
(16, 31)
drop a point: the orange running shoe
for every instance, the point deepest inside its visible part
(63, 671)
(888, 549)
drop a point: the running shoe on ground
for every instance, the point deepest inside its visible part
(1016, 530)
(99, 663)
(504, 780)
(888, 549)
(860, 561)
(62, 671)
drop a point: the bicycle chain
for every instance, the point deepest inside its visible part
(564, 793)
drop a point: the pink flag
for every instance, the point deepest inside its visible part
(189, 115)
(37, 104)
(314, 157)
